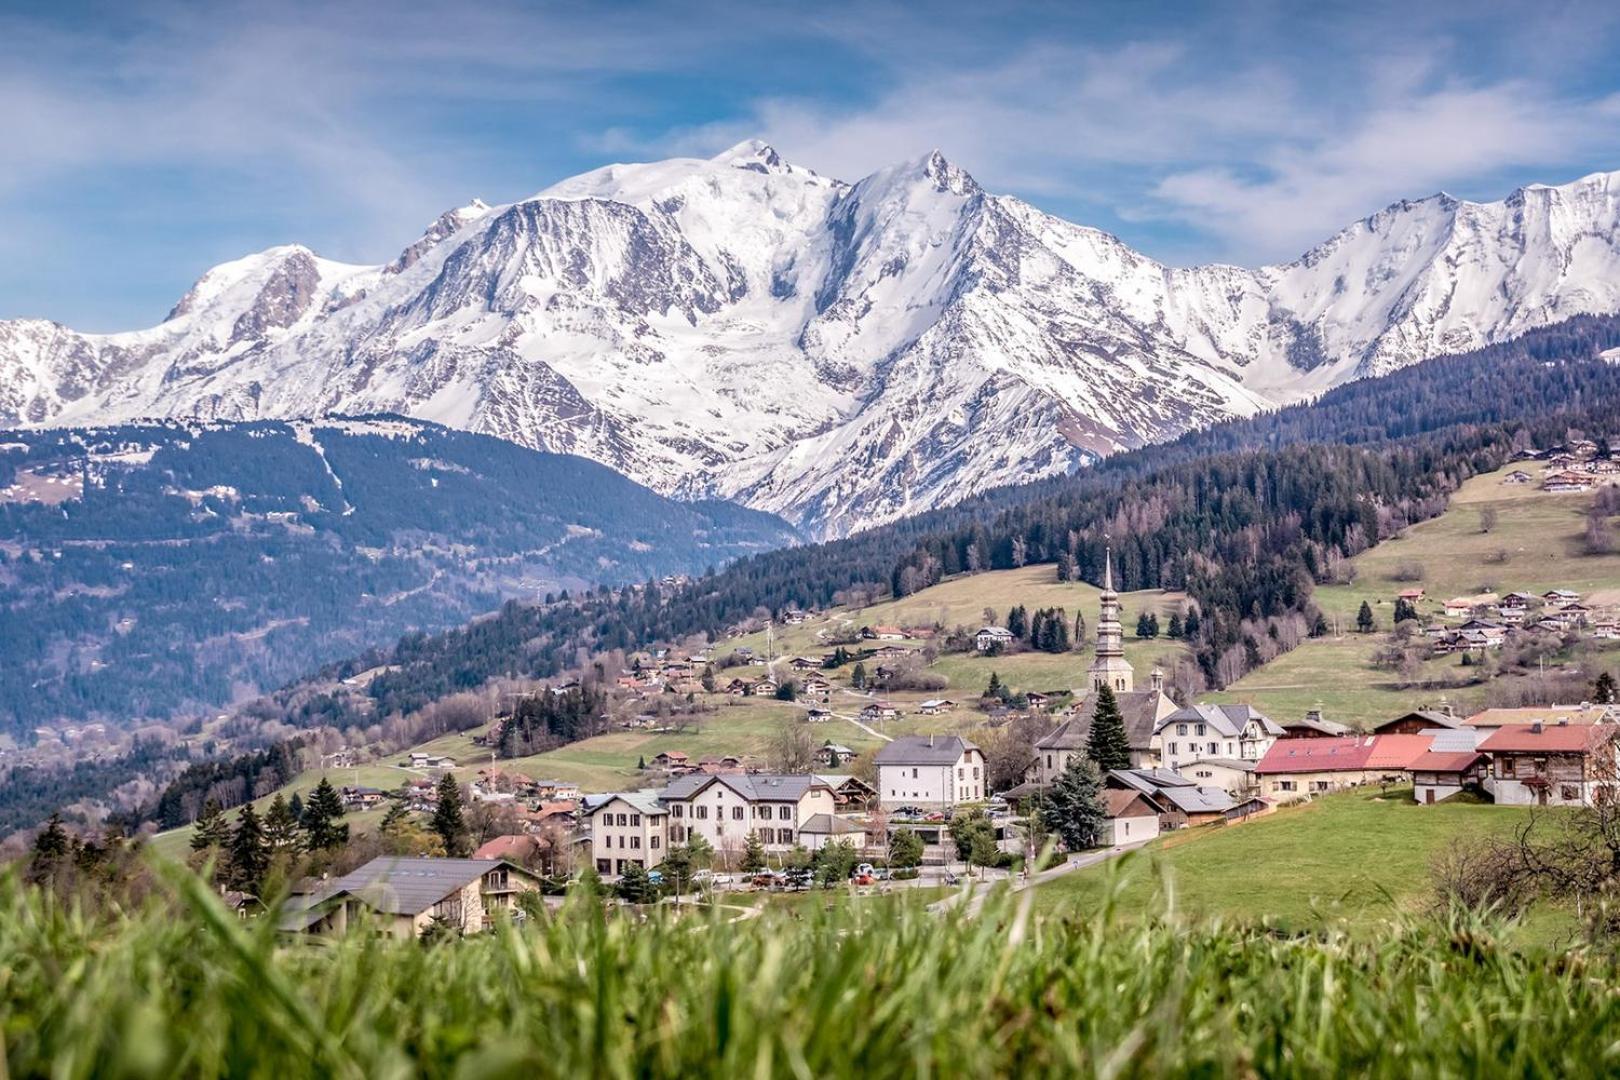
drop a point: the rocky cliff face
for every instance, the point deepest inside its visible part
(839, 354)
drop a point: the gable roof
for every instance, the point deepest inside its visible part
(1446, 761)
(1317, 723)
(1117, 801)
(1342, 753)
(1397, 751)
(401, 885)
(644, 801)
(1141, 710)
(755, 787)
(1228, 720)
(829, 825)
(924, 750)
(1431, 717)
(1550, 738)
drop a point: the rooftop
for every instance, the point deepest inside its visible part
(924, 750)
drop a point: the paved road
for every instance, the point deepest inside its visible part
(974, 898)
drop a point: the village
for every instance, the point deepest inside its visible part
(924, 808)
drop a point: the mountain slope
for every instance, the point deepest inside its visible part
(152, 570)
(840, 354)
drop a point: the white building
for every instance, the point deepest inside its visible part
(1214, 731)
(990, 637)
(934, 772)
(725, 808)
(631, 827)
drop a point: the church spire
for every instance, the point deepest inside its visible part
(1110, 668)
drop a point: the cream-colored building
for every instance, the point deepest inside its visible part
(725, 808)
(933, 772)
(625, 829)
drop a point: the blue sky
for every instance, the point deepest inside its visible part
(141, 143)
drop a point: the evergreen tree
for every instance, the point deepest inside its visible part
(1018, 622)
(787, 691)
(1404, 611)
(250, 851)
(857, 678)
(322, 829)
(280, 827)
(212, 831)
(1364, 618)
(677, 868)
(297, 807)
(1174, 630)
(1142, 630)
(1604, 691)
(1192, 624)
(1107, 744)
(635, 886)
(753, 856)
(701, 850)
(965, 827)
(50, 847)
(905, 849)
(1319, 628)
(448, 821)
(708, 679)
(1153, 624)
(1073, 808)
(396, 820)
(641, 763)
(1080, 630)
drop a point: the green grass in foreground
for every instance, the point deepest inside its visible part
(871, 991)
(1355, 860)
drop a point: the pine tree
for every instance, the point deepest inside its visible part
(1192, 624)
(1018, 624)
(250, 851)
(297, 807)
(1364, 618)
(753, 856)
(857, 678)
(280, 827)
(1174, 631)
(1319, 628)
(396, 820)
(50, 847)
(448, 821)
(635, 886)
(1107, 745)
(1142, 630)
(708, 679)
(1073, 808)
(212, 830)
(1153, 624)
(1604, 691)
(322, 829)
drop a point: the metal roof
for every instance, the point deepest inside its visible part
(755, 787)
(400, 885)
(924, 750)
(829, 825)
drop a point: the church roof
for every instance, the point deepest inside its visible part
(1141, 710)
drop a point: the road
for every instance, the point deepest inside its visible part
(974, 897)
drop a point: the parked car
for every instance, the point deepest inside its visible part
(708, 879)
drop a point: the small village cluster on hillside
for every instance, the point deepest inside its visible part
(928, 805)
(1579, 465)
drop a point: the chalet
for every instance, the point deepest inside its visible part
(883, 633)
(1128, 818)
(833, 755)
(519, 848)
(1566, 481)
(1550, 765)
(818, 716)
(1037, 700)
(725, 808)
(1313, 726)
(1517, 476)
(1418, 722)
(361, 798)
(893, 652)
(1437, 774)
(935, 772)
(851, 794)
(719, 766)
(794, 616)
(737, 688)
(1411, 596)
(921, 633)
(817, 686)
(1460, 607)
(803, 663)
(992, 637)
(402, 897)
(1520, 600)
(879, 710)
(1213, 731)
(762, 688)
(1294, 768)
(935, 706)
(671, 759)
(1550, 715)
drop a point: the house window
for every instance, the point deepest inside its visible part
(1286, 785)
(1173, 745)
(1569, 793)
(635, 843)
(975, 772)
(961, 773)
(1214, 748)
(604, 866)
(652, 842)
(914, 774)
(784, 836)
(785, 813)
(678, 810)
(624, 819)
(1509, 766)
(1181, 729)
(1200, 729)
(737, 813)
(702, 812)
(1049, 761)
(635, 819)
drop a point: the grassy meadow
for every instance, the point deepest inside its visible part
(183, 988)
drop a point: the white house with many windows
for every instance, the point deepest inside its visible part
(934, 772)
(725, 808)
(1206, 732)
(626, 828)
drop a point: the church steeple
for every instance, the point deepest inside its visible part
(1110, 668)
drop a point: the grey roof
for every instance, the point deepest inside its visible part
(1225, 719)
(924, 750)
(1173, 788)
(829, 825)
(400, 885)
(1199, 800)
(755, 787)
(1316, 723)
(1140, 708)
(1241, 764)
(1456, 740)
(645, 801)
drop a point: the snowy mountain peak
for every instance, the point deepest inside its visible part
(741, 327)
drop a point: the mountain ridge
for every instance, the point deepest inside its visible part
(841, 354)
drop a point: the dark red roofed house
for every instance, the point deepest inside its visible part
(1440, 774)
(1550, 764)
(1294, 768)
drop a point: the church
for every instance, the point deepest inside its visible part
(1143, 710)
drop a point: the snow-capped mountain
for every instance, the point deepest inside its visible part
(839, 354)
